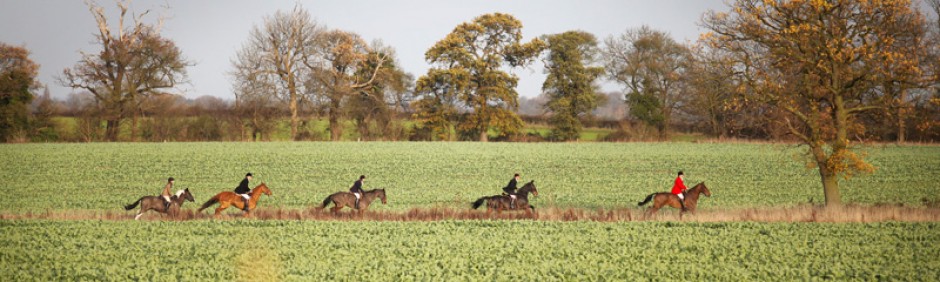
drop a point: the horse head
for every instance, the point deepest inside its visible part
(262, 188)
(530, 187)
(188, 195)
(381, 193)
(183, 194)
(704, 189)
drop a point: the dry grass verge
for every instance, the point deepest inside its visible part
(858, 214)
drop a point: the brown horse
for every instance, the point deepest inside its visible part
(347, 199)
(501, 202)
(156, 203)
(228, 198)
(669, 199)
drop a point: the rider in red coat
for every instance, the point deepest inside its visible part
(678, 188)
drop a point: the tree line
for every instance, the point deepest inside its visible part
(293, 68)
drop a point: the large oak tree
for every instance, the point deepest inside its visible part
(823, 63)
(477, 52)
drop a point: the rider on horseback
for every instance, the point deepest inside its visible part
(356, 189)
(678, 187)
(510, 190)
(166, 193)
(243, 190)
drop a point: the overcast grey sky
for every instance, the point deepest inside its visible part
(210, 31)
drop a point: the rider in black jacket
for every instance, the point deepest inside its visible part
(356, 189)
(243, 190)
(510, 190)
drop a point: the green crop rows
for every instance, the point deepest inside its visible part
(102, 177)
(42, 177)
(465, 250)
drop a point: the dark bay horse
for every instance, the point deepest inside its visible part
(229, 198)
(501, 202)
(668, 199)
(347, 199)
(155, 203)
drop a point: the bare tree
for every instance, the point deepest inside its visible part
(274, 60)
(378, 102)
(133, 63)
(338, 72)
(649, 63)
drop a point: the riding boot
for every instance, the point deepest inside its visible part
(357, 204)
(166, 206)
(512, 203)
(246, 206)
(682, 203)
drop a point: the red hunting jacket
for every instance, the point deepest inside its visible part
(679, 187)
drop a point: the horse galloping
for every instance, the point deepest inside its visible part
(229, 198)
(501, 202)
(347, 199)
(668, 199)
(156, 203)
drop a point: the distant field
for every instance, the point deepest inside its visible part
(104, 176)
(466, 251)
(319, 129)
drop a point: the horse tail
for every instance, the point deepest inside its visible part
(326, 202)
(647, 200)
(479, 202)
(134, 204)
(209, 203)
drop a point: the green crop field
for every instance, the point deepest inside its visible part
(100, 178)
(465, 251)
(43, 177)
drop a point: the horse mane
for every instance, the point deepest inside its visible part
(373, 190)
(695, 188)
(180, 192)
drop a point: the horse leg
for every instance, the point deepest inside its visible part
(651, 211)
(222, 206)
(336, 208)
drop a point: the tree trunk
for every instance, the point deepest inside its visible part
(134, 126)
(112, 129)
(294, 120)
(830, 188)
(336, 130)
(484, 137)
(902, 114)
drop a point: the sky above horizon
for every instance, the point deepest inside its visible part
(209, 32)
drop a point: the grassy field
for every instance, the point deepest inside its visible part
(596, 184)
(105, 176)
(465, 251)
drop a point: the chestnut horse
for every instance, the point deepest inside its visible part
(347, 199)
(668, 199)
(228, 198)
(501, 202)
(156, 203)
